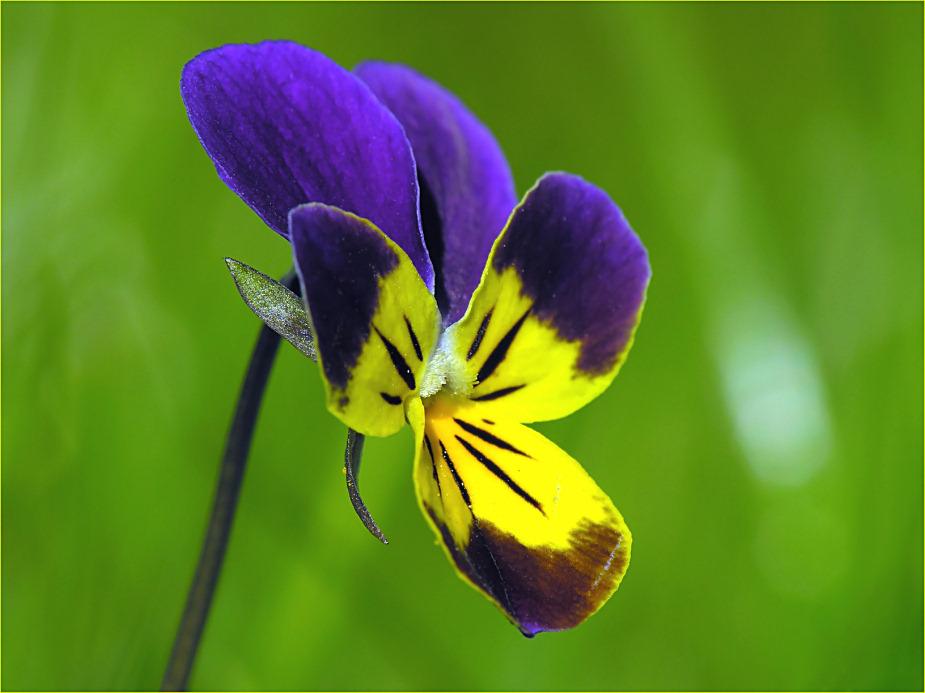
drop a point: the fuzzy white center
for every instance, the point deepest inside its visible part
(445, 370)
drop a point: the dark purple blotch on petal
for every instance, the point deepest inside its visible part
(467, 192)
(540, 588)
(581, 263)
(285, 125)
(339, 259)
(552, 590)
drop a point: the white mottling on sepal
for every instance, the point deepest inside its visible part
(278, 307)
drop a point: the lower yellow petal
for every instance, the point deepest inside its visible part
(520, 519)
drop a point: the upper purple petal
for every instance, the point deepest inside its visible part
(285, 125)
(467, 192)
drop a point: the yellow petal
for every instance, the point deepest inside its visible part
(520, 519)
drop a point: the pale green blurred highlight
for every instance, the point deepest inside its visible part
(763, 441)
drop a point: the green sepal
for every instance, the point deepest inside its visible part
(352, 456)
(278, 307)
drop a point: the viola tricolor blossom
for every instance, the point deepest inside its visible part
(434, 298)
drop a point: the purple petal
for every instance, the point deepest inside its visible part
(581, 264)
(284, 125)
(461, 166)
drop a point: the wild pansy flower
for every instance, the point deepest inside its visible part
(433, 298)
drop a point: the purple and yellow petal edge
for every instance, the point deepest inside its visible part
(340, 261)
(582, 265)
(555, 314)
(374, 321)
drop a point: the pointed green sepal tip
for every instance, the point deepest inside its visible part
(278, 307)
(352, 456)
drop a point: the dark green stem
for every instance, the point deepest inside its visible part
(231, 475)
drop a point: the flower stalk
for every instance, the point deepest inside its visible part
(231, 476)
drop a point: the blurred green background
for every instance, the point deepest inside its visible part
(764, 440)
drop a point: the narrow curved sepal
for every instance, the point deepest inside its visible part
(353, 454)
(375, 323)
(554, 316)
(277, 306)
(520, 519)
